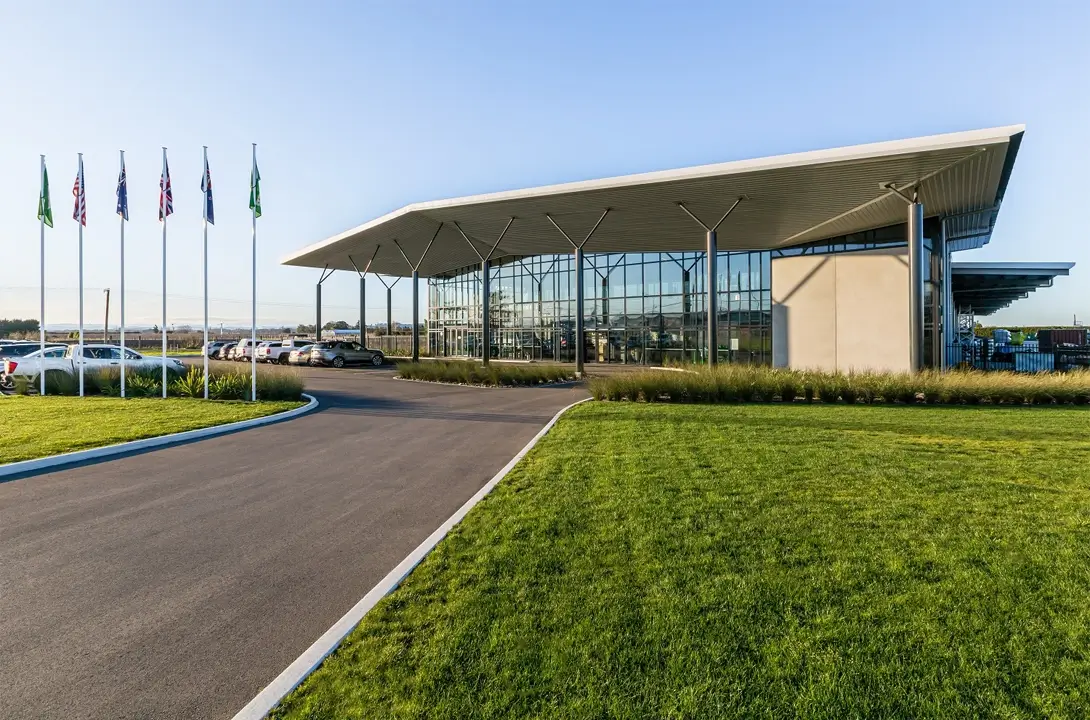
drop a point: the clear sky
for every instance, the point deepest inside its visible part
(359, 107)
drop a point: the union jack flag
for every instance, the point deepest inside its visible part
(79, 212)
(166, 197)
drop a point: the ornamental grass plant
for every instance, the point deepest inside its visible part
(750, 383)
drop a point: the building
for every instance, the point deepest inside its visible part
(834, 259)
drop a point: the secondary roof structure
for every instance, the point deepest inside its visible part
(786, 200)
(985, 287)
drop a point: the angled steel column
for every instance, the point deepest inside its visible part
(580, 351)
(486, 291)
(318, 314)
(915, 287)
(416, 289)
(711, 301)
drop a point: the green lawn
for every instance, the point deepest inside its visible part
(750, 561)
(32, 427)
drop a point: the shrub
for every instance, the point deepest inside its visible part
(229, 386)
(190, 385)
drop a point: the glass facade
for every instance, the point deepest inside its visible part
(640, 308)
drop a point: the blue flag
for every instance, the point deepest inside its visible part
(206, 186)
(122, 194)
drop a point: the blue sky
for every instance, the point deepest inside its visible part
(361, 107)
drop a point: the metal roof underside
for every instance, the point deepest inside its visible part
(984, 287)
(789, 200)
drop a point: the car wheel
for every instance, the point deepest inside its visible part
(377, 359)
(338, 362)
(283, 359)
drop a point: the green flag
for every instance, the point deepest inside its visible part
(255, 190)
(45, 211)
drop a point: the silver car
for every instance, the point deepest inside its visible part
(339, 353)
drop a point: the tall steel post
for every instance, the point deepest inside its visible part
(712, 299)
(318, 313)
(363, 309)
(915, 288)
(389, 310)
(580, 352)
(416, 316)
(486, 311)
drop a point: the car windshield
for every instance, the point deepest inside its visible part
(326, 345)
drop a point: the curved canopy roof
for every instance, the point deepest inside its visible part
(787, 200)
(985, 287)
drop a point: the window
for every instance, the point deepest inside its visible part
(130, 355)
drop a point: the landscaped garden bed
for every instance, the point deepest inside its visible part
(273, 383)
(468, 372)
(751, 383)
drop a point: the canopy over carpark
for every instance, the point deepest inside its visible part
(786, 200)
(985, 287)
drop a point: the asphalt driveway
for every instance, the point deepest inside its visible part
(177, 583)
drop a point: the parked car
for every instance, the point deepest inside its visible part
(95, 356)
(213, 347)
(22, 348)
(339, 353)
(28, 365)
(278, 352)
(227, 352)
(244, 349)
(300, 356)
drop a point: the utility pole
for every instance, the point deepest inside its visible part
(106, 325)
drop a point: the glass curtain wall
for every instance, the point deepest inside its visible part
(640, 308)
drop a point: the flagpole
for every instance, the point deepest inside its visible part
(82, 360)
(41, 316)
(123, 279)
(253, 286)
(163, 210)
(205, 204)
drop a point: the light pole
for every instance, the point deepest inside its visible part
(106, 325)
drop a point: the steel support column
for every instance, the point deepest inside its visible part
(712, 302)
(486, 292)
(944, 299)
(580, 349)
(915, 287)
(711, 298)
(416, 289)
(318, 313)
(390, 310)
(363, 311)
(416, 316)
(486, 311)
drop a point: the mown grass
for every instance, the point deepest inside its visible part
(468, 372)
(781, 561)
(753, 383)
(33, 427)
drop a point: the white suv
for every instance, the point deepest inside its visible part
(279, 352)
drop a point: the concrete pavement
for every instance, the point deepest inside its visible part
(177, 583)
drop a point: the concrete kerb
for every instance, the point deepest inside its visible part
(313, 656)
(27, 467)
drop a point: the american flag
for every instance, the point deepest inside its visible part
(206, 187)
(166, 197)
(79, 212)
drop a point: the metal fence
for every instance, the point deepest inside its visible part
(991, 356)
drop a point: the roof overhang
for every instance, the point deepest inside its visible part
(984, 287)
(788, 200)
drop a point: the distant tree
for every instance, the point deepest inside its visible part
(304, 329)
(155, 329)
(337, 325)
(10, 327)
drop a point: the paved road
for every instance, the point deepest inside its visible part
(179, 582)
